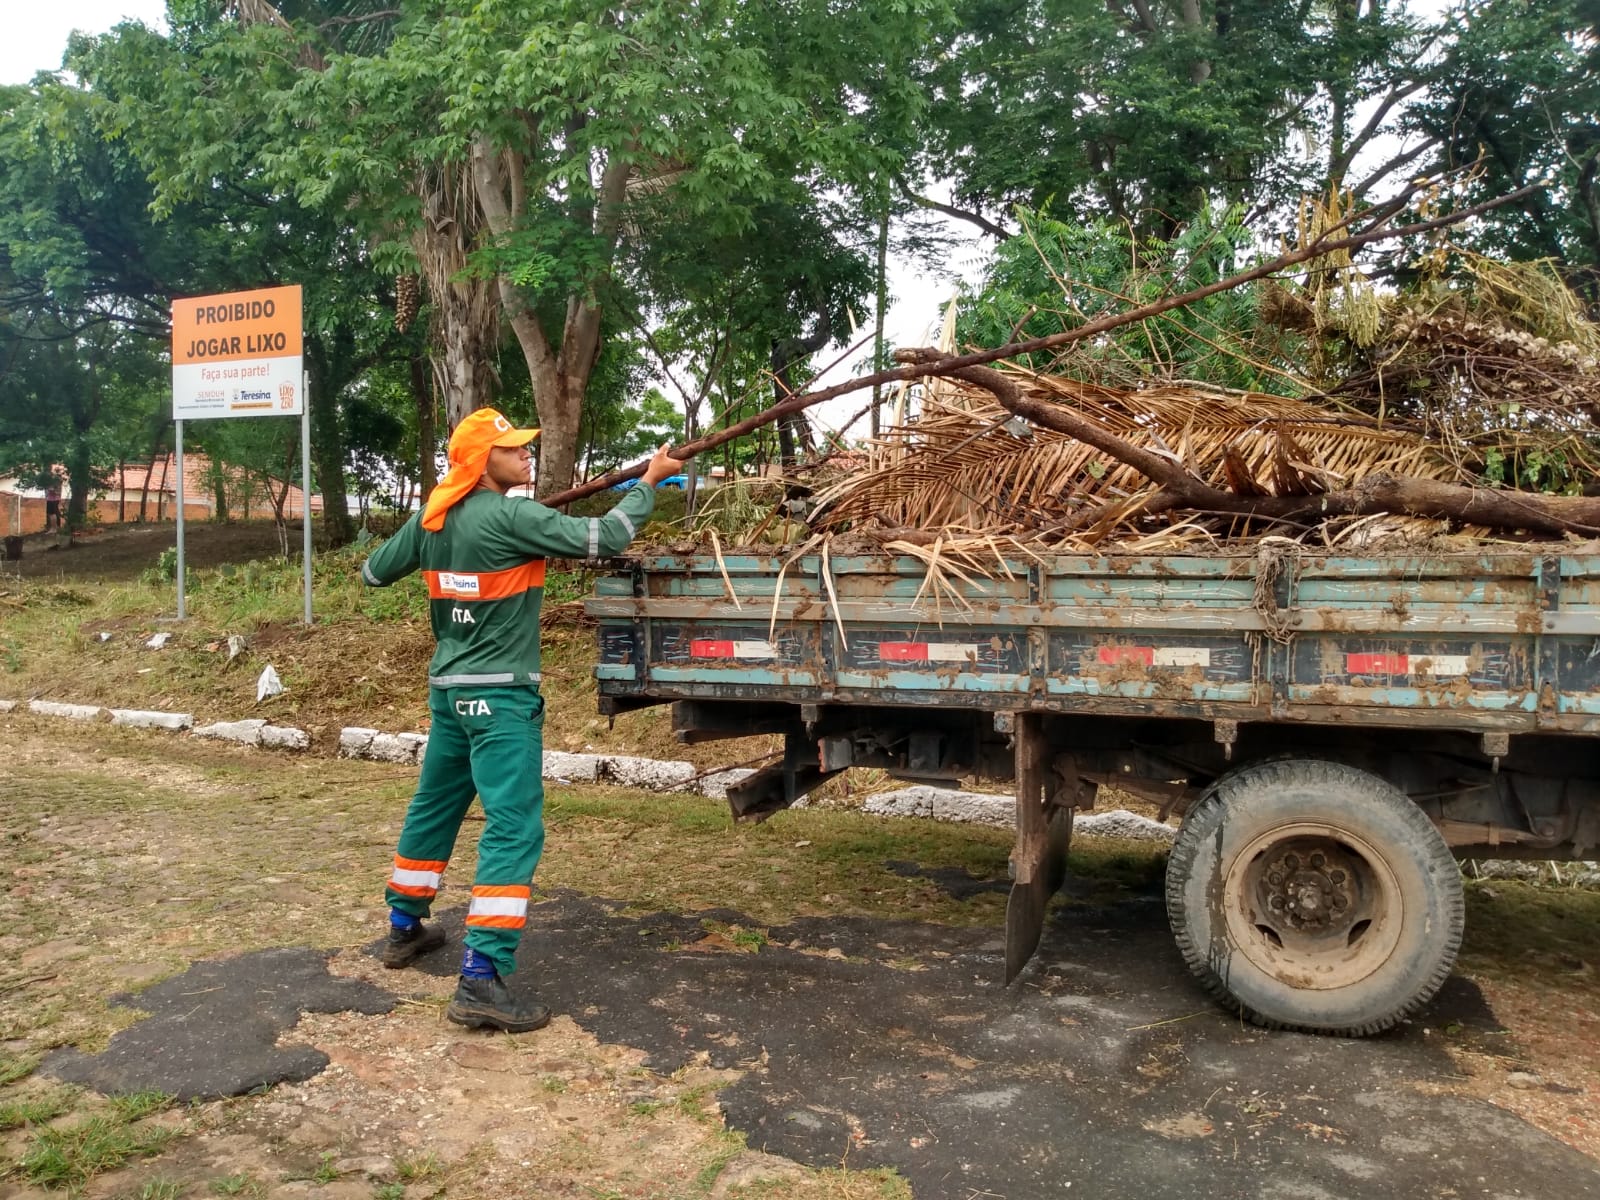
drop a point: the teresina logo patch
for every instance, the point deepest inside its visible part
(465, 586)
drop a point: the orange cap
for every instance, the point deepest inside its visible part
(478, 433)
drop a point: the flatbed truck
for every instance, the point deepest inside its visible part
(1335, 730)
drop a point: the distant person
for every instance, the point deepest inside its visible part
(483, 554)
(52, 504)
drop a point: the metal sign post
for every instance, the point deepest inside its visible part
(305, 483)
(178, 445)
(240, 355)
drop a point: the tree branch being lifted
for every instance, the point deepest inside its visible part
(1377, 229)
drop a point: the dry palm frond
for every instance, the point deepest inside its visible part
(1340, 295)
(827, 582)
(946, 391)
(942, 560)
(965, 467)
(716, 547)
(777, 589)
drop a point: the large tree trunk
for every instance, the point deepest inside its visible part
(219, 494)
(328, 381)
(466, 315)
(85, 411)
(794, 431)
(144, 492)
(81, 472)
(466, 323)
(559, 371)
(560, 405)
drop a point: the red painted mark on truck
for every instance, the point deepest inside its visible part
(714, 648)
(1439, 666)
(1377, 664)
(927, 652)
(1111, 656)
(1156, 656)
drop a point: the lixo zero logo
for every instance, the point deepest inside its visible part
(286, 395)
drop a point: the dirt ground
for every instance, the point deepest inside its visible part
(762, 1011)
(218, 857)
(123, 552)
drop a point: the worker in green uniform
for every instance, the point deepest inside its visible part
(483, 554)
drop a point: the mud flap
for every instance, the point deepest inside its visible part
(1039, 858)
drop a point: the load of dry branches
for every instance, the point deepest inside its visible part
(1461, 407)
(970, 467)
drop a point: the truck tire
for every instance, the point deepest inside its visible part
(1314, 896)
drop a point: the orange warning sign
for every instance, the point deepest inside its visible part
(238, 355)
(240, 325)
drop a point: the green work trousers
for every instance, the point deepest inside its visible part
(489, 742)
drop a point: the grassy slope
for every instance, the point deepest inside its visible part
(363, 662)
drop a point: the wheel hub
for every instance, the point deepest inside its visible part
(1308, 891)
(1312, 905)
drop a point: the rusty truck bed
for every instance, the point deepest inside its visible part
(1482, 642)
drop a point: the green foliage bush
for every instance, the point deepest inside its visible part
(1058, 275)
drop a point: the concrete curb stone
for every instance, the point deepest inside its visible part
(354, 741)
(392, 747)
(73, 712)
(137, 718)
(1120, 823)
(247, 732)
(716, 785)
(983, 808)
(626, 770)
(285, 737)
(623, 770)
(571, 768)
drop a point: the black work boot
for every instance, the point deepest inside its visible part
(405, 946)
(489, 1004)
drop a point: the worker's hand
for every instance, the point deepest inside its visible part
(661, 465)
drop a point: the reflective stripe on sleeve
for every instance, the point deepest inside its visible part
(622, 519)
(370, 579)
(594, 537)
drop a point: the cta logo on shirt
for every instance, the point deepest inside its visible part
(464, 587)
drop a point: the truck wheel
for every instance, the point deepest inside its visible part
(1311, 895)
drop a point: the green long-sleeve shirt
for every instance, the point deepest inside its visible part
(485, 572)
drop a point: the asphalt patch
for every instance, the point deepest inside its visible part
(1103, 1072)
(213, 1030)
